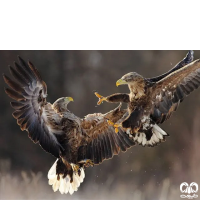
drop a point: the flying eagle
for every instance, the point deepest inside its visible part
(151, 101)
(76, 143)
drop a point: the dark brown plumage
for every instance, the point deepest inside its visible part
(152, 100)
(76, 142)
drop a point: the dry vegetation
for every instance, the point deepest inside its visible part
(33, 186)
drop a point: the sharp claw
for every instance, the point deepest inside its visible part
(98, 95)
(116, 126)
(99, 102)
(116, 130)
(101, 98)
(88, 163)
(91, 163)
(75, 168)
(110, 122)
(135, 130)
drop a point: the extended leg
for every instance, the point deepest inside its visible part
(114, 98)
(133, 121)
(101, 98)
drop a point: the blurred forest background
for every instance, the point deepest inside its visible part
(140, 173)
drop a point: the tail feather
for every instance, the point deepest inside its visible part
(149, 137)
(63, 184)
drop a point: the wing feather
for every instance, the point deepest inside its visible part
(188, 59)
(108, 145)
(126, 139)
(101, 141)
(14, 95)
(95, 156)
(121, 136)
(103, 147)
(99, 151)
(32, 112)
(18, 76)
(172, 89)
(115, 148)
(18, 104)
(26, 68)
(119, 142)
(23, 73)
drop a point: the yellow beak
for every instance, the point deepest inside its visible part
(69, 99)
(121, 82)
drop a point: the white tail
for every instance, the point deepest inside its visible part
(158, 135)
(63, 184)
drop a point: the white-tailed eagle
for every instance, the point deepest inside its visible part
(151, 101)
(76, 143)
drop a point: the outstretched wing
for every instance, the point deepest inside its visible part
(171, 90)
(188, 59)
(32, 112)
(101, 141)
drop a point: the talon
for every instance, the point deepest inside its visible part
(110, 123)
(116, 126)
(116, 130)
(75, 168)
(98, 95)
(101, 98)
(88, 163)
(135, 130)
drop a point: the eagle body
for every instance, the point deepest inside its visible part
(152, 101)
(76, 142)
(137, 88)
(138, 102)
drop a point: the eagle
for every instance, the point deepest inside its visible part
(76, 142)
(152, 101)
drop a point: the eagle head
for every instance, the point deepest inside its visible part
(130, 78)
(61, 104)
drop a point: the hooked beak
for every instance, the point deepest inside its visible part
(121, 82)
(69, 99)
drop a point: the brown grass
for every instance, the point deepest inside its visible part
(35, 186)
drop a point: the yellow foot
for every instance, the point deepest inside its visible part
(88, 162)
(116, 126)
(101, 98)
(135, 130)
(75, 168)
